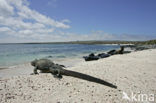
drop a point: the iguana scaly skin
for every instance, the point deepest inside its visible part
(82, 76)
(45, 65)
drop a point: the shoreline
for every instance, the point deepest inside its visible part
(54, 57)
(65, 60)
(27, 69)
(131, 73)
(68, 62)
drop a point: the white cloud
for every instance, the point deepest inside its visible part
(66, 21)
(4, 29)
(19, 23)
(27, 13)
(5, 8)
(26, 36)
(95, 35)
(17, 19)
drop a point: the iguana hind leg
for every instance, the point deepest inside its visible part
(56, 73)
(58, 76)
(59, 73)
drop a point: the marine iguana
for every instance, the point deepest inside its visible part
(113, 52)
(121, 50)
(47, 66)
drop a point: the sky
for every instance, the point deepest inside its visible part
(72, 20)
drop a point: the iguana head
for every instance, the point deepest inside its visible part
(33, 63)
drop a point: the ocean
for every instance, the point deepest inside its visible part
(14, 54)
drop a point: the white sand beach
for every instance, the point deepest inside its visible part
(131, 73)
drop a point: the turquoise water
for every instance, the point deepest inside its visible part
(12, 54)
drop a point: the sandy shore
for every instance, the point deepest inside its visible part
(133, 73)
(26, 68)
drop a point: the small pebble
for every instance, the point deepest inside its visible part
(67, 83)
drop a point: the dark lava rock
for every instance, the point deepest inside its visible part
(91, 57)
(103, 55)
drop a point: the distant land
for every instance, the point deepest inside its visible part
(91, 42)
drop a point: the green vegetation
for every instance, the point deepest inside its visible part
(149, 42)
(92, 42)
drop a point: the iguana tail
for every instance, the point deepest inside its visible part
(86, 77)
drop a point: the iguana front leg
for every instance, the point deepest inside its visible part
(35, 70)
